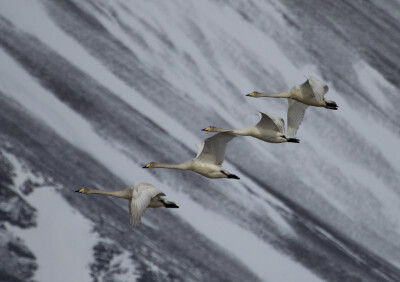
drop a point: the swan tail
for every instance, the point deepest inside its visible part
(169, 204)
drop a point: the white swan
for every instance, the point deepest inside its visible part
(270, 128)
(141, 196)
(210, 156)
(310, 93)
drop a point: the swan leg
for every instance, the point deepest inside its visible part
(169, 204)
(290, 139)
(331, 105)
(293, 140)
(229, 175)
(233, 176)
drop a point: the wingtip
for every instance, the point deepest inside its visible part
(135, 224)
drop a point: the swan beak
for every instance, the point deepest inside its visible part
(206, 129)
(250, 94)
(147, 166)
(80, 190)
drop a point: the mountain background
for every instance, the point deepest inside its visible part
(90, 91)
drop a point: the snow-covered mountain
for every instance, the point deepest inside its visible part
(90, 91)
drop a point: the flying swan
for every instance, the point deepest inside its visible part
(310, 93)
(270, 128)
(141, 196)
(209, 159)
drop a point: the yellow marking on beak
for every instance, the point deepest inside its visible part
(148, 165)
(251, 94)
(81, 190)
(207, 129)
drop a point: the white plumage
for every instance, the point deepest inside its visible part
(144, 195)
(141, 196)
(295, 116)
(269, 128)
(212, 150)
(310, 93)
(209, 159)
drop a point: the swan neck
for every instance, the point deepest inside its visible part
(173, 166)
(243, 131)
(285, 94)
(217, 129)
(119, 194)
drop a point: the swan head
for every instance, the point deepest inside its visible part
(150, 165)
(84, 190)
(254, 94)
(209, 128)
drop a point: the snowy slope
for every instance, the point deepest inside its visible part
(92, 90)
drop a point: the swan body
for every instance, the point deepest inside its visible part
(310, 93)
(209, 159)
(270, 128)
(141, 196)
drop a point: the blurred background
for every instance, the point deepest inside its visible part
(90, 91)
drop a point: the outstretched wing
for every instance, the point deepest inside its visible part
(213, 148)
(319, 88)
(199, 147)
(271, 122)
(295, 116)
(142, 193)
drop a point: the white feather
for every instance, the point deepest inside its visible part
(199, 147)
(269, 121)
(142, 193)
(318, 87)
(295, 116)
(214, 147)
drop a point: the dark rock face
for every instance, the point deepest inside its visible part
(102, 268)
(28, 186)
(187, 248)
(13, 208)
(16, 210)
(17, 262)
(342, 229)
(6, 171)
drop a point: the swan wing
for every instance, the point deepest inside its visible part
(213, 148)
(319, 88)
(199, 147)
(142, 193)
(295, 116)
(270, 121)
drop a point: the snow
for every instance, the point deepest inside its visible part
(33, 21)
(374, 84)
(125, 262)
(217, 24)
(379, 89)
(258, 255)
(63, 239)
